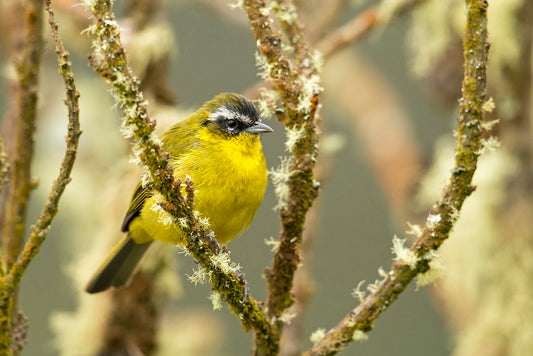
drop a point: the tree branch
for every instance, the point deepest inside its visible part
(13, 329)
(353, 31)
(298, 84)
(285, 11)
(444, 213)
(136, 310)
(40, 230)
(4, 179)
(4, 166)
(109, 60)
(361, 25)
(21, 183)
(303, 283)
(302, 187)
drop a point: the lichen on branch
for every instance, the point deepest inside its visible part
(444, 213)
(21, 182)
(40, 230)
(110, 61)
(296, 78)
(13, 324)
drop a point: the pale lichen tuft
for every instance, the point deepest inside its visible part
(286, 317)
(359, 335)
(488, 145)
(223, 261)
(264, 68)
(273, 243)
(293, 135)
(280, 177)
(489, 106)
(436, 270)
(311, 87)
(358, 293)
(373, 287)
(414, 230)
(236, 5)
(432, 220)
(317, 335)
(403, 254)
(199, 276)
(216, 300)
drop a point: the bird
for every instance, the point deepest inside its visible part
(219, 148)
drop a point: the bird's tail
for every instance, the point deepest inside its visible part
(119, 266)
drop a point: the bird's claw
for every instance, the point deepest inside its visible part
(246, 288)
(217, 245)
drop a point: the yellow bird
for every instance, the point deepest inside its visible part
(218, 146)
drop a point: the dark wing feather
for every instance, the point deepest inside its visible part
(179, 139)
(137, 201)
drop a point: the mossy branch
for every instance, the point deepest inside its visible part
(109, 60)
(136, 310)
(21, 182)
(4, 167)
(297, 82)
(444, 213)
(4, 179)
(40, 230)
(12, 334)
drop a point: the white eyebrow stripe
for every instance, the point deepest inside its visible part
(229, 114)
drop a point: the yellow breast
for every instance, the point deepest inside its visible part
(230, 178)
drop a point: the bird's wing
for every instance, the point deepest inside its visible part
(137, 201)
(179, 139)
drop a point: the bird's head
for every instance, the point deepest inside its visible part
(233, 115)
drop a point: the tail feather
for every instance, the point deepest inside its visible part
(119, 266)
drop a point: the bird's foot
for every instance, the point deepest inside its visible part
(246, 288)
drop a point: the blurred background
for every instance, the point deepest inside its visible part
(389, 108)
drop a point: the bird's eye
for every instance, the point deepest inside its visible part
(232, 124)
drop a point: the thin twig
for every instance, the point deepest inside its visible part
(349, 33)
(285, 11)
(379, 120)
(303, 284)
(317, 17)
(4, 167)
(298, 85)
(110, 61)
(444, 213)
(13, 325)
(40, 230)
(520, 77)
(362, 25)
(353, 31)
(286, 80)
(21, 182)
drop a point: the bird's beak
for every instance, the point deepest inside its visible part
(259, 128)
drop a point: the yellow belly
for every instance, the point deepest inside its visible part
(229, 179)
